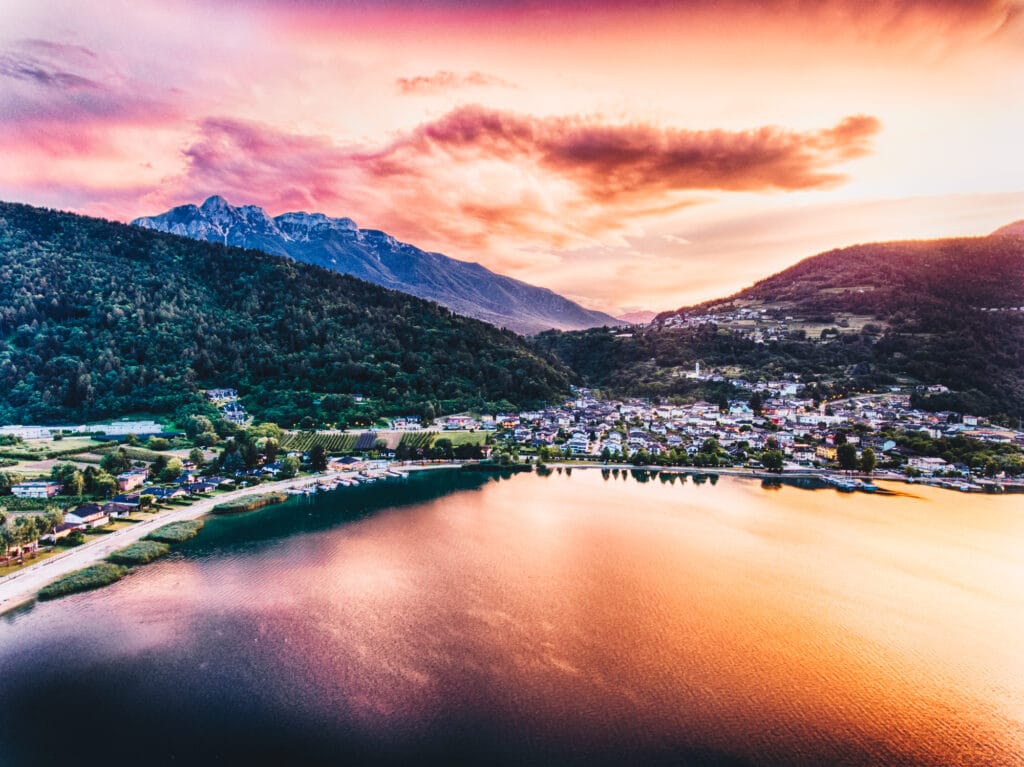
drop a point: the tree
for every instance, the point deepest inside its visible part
(196, 456)
(116, 461)
(267, 430)
(773, 460)
(846, 454)
(146, 501)
(270, 450)
(8, 478)
(71, 479)
(158, 466)
(251, 456)
(157, 443)
(197, 425)
(318, 457)
(7, 538)
(103, 484)
(289, 467)
(868, 461)
(443, 448)
(74, 538)
(172, 470)
(756, 403)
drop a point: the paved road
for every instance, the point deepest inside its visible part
(20, 587)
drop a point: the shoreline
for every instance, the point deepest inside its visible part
(820, 475)
(20, 588)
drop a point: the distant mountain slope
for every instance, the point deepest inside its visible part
(945, 312)
(889, 279)
(338, 244)
(641, 317)
(99, 319)
(1015, 229)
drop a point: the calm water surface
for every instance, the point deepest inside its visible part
(458, 618)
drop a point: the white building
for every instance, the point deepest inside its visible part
(35, 489)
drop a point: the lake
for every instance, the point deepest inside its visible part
(619, 618)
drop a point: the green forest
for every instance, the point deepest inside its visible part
(100, 319)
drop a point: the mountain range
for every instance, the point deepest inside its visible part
(338, 244)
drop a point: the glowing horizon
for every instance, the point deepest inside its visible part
(629, 156)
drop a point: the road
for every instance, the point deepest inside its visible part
(20, 587)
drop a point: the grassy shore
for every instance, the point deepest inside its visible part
(139, 553)
(91, 577)
(177, 532)
(249, 503)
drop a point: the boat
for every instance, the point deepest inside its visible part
(867, 487)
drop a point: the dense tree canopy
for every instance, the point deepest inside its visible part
(101, 319)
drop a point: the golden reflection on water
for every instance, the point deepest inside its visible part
(786, 626)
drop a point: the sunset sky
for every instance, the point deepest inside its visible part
(628, 155)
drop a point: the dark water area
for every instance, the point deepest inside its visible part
(584, 618)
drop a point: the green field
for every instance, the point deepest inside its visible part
(418, 439)
(134, 453)
(304, 441)
(43, 449)
(425, 439)
(464, 437)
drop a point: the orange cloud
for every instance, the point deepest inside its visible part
(477, 177)
(615, 161)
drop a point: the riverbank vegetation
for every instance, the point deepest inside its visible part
(177, 532)
(139, 553)
(249, 503)
(91, 577)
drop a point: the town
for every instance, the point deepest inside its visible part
(122, 471)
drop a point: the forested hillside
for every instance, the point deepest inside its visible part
(945, 312)
(100, 319)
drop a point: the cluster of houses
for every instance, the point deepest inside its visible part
(807, 434)
(132, 487)
(755, 324)
(226, 400)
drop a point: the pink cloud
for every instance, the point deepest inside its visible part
(444, 80)
(60, 100)
(614, 161)
(476, 177)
